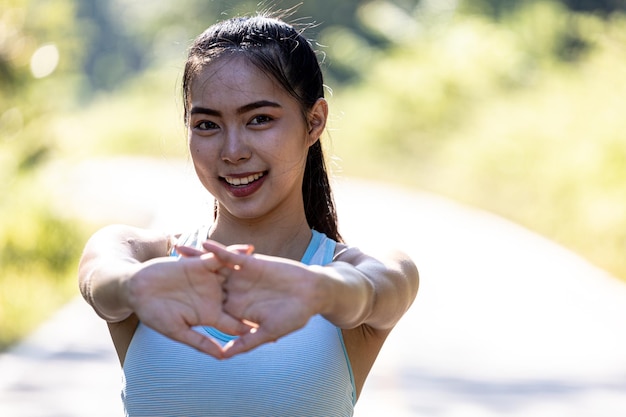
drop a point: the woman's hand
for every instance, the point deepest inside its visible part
(276, 296)
(171, 296)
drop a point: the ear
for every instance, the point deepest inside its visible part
(317, 120)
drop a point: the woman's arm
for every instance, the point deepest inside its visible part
(111, 257)
(127, 270)
(363, 290)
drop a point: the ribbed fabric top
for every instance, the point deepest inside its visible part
(306, 373)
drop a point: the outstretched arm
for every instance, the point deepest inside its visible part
(126, 270)
(111, 257)
(363, 290)
(280, 295)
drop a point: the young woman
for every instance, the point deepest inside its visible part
(265, 312)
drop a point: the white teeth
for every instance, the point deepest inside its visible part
(243, 181)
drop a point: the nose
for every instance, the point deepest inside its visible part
(235, 148)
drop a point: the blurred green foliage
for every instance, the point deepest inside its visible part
(38, 254)
(514, 107)
(522, 116)
(38, 247)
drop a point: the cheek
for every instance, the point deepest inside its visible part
(195, 153)
(200, 157)
(200, 148)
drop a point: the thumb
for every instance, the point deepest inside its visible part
(247, 341)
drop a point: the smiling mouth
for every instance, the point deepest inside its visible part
(238, 181)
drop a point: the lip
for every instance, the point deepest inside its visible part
(246, 190)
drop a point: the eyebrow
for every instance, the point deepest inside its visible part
(241, 110)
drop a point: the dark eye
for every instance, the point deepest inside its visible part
(260, 120)
(205, 125)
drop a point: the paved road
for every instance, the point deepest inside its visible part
(506, 323)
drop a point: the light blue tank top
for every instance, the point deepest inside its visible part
(306, 373)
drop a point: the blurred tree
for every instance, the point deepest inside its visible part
(165, 28)
(39, 62)
(493, 8)
(500, 8)
(602, 6)
(111, 54)
(37, 45)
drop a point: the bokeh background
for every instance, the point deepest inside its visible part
(514, 107)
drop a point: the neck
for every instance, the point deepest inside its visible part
(287, 237)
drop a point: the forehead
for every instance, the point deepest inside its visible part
(233, 79)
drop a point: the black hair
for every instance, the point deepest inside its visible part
(283, 53)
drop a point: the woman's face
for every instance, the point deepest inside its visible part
(249, 139)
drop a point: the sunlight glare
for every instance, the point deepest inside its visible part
(44, 61)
